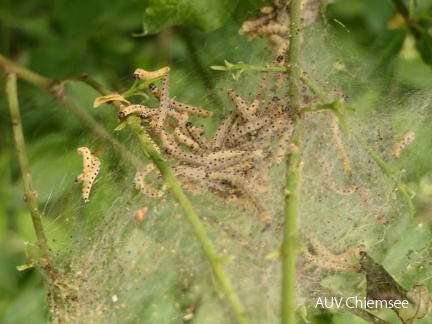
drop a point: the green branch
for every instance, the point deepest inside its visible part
(30, 192)
(209, 250)
(242, 67)
(293, 175)
(390, 172)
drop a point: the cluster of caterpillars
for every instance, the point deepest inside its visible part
(273, 23)
(233, 163)
(91, 167)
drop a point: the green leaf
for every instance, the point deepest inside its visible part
(204, 15)
(385, 48)
(424, 46)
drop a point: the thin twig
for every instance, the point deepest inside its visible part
(30, 192)
(293, 175)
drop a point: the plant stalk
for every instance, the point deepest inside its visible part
(209, 250)
(293, 175)
(30, 192)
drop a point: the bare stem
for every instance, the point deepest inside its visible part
(293, 175)
(30, 192)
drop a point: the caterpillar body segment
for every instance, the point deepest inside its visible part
(272, 28)
(164, 101)
(91, 167)
(327, 172)
(197, 133)
(87, 158)
(144, 187)
(241, 106)
(325, 259)
(222, 131)
(371, 205)
(186, 140)
(403, 142)
(181, 107)
(252, 25)
(135, 109)
(245, 186)
(89, 178)
(339, 144)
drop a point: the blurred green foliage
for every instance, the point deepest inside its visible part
(63, 38)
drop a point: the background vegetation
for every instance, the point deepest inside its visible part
(104, 40)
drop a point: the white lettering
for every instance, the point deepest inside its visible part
(338, 303)
(347, 302)
(325, 302)
(319, 302)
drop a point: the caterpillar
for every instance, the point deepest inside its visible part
(252, 25)
(145, 188)
(89, 177)
(329, 264)
(148, 75)
(179, 154)
(241, 168)
(241, 106)
(155, 146)
(279, 152)
(181, 107)
(197, 134)
(280, 44)
(246, 187)
(325, 259)
(186, 140)
(227, 159)
(403, 142)
(222, 131)
(272, 28)
(252, 126)
(370, 204)
(163, 106)
(339, 144)
(140, 109)
(87, 162)
(278, 126)
(327, 170)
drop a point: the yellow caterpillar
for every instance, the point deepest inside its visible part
(90, 178)
(132, 109)
(403, 142)
(87, 162)
(91, 166)
(149, 75)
